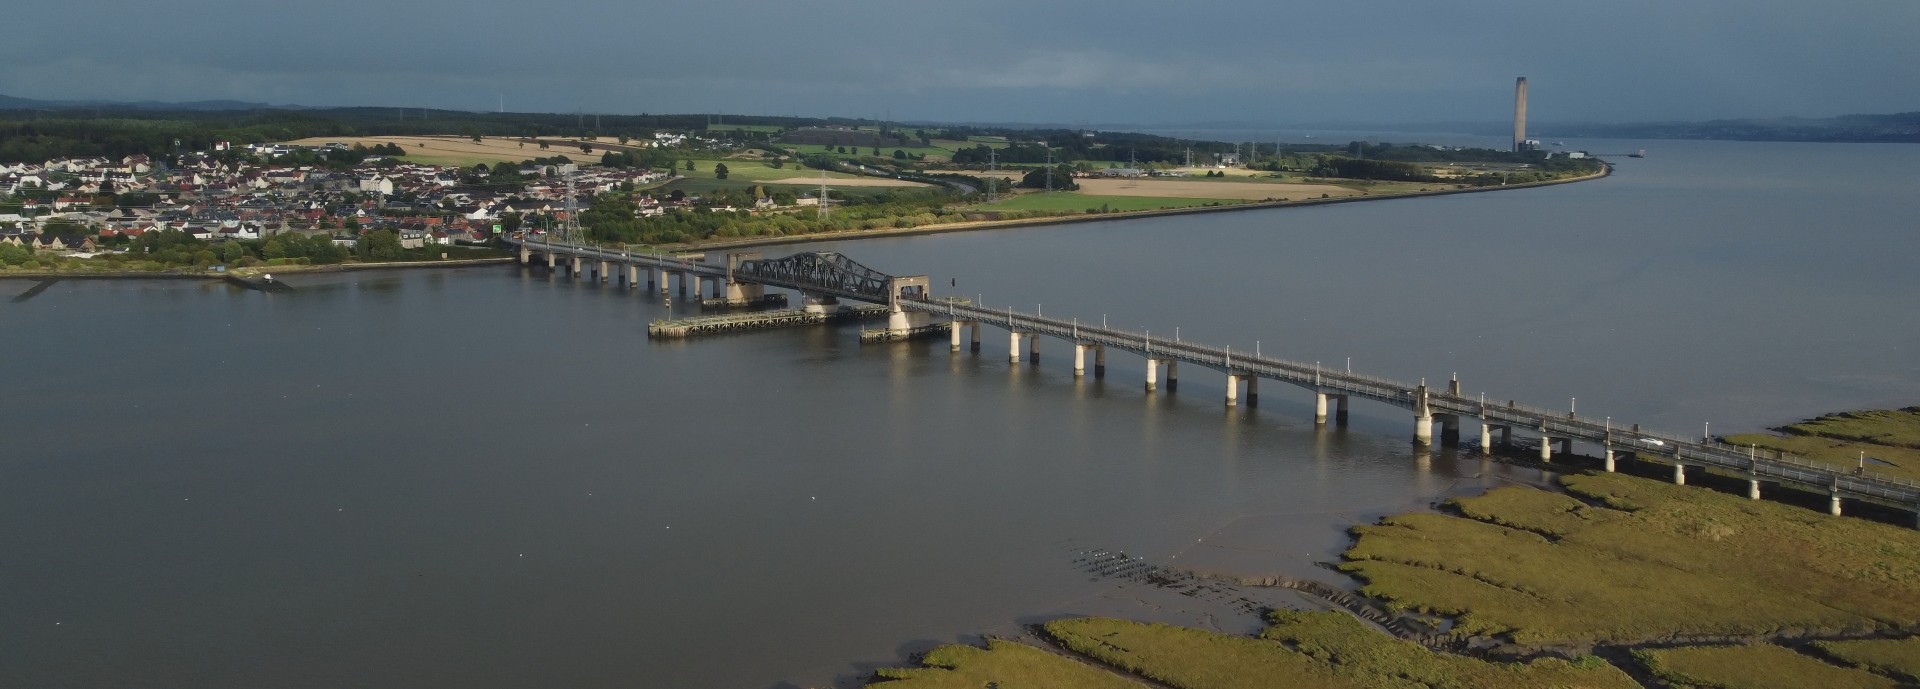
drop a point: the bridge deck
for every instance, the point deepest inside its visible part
(834, 275)
(1672, 448)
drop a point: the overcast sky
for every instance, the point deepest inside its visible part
(1112, 61)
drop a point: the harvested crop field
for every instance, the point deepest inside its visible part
(1197, 189)
(463, 150)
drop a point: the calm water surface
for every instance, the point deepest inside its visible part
(491, 478)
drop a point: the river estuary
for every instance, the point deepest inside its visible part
(490, 477)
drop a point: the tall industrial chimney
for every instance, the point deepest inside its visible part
(1520, 115)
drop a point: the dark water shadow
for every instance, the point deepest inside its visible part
(34, 291)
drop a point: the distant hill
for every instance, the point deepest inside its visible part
(16, 103)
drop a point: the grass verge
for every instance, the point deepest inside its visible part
(1003, 664)
(1759, 666)
(1655, 562)
(1890, 438)
(1316, 649)
(1899, 657)
(1080, 203)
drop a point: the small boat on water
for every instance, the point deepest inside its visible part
(1642, 153)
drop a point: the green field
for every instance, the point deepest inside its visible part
(1893, 427)
(1623, 559)
(1309, 649)
(1760, 666)
(1067, 201)
(1896, 461)
(1002, 663)
(753, 171)
(1891, 436)
(1898, 657)
(701, 185)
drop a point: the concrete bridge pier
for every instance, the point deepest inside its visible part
(1422, 417)
(953, 335)
(1449, 429)
(1233, 389)
(1173, 375)
(818, 303)
(1833, 497)
(1753, 488)
(550, 261)
(606, 267)
(1013, 346)
(657, 279)
(1153, 373)
(1679, 474)
(1609, 460)
(1486, 435)
(1253, 390)
(1033, 347)
(1080, 359)
(1099, 361)
(976, 335)
(578, 266)
(1320, 408)
(633, 276)
(526, 255)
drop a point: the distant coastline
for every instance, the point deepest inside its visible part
(1606, 169)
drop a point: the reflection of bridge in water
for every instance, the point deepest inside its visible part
(823, 278)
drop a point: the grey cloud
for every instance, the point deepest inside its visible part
(1059, 61)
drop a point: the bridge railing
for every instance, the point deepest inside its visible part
(1560, 423)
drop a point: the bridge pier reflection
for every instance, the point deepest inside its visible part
(820, 277)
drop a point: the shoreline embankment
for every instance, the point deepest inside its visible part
(1606, 170)
(286, 270)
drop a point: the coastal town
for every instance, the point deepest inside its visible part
(423, 197)
(85, 206)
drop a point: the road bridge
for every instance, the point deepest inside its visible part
(824, 277)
